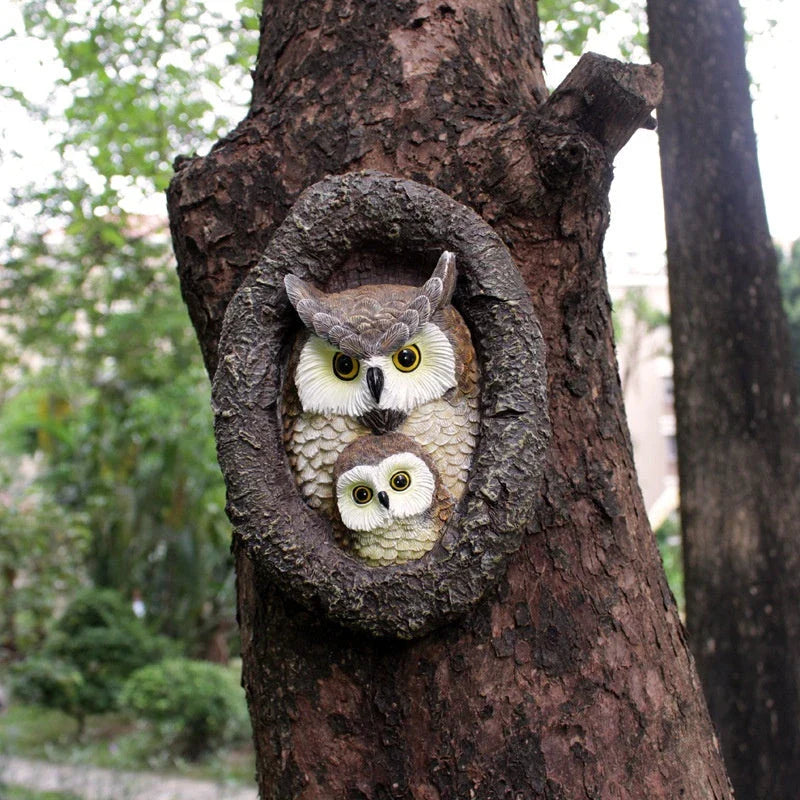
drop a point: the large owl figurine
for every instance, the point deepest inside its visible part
(376, 359)
(390, 500)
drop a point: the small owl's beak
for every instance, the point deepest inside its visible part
(383, 499)
(375, 383)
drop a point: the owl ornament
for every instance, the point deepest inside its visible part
(381, 470)
(390, 500)
(377, 359)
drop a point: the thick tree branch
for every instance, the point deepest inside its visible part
(607, 99)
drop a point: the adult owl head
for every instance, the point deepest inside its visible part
(375, 347)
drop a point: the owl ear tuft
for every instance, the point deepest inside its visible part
(307, 300)
(439, 287)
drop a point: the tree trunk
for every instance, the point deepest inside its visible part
(572, 678)
(738, 443)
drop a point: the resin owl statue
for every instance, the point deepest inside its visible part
(390, 500)
(375, 359)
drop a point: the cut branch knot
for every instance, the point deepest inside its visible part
(607, 99)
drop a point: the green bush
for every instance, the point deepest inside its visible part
(94, 647)
(197, 706)
(48, 682)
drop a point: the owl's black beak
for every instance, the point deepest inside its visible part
(375, 383)
(383, 499)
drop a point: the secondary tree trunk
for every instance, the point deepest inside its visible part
(738, 443)
(572, 679)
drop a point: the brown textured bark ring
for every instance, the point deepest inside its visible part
(286, 539)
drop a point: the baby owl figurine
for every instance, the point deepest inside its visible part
(390, 499)
(378, 359)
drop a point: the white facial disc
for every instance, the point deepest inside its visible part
(321, 391)
(357, 516)
(418, 496)
(435, 374)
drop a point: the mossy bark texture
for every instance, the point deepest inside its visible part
(735, 399)
(571, 678)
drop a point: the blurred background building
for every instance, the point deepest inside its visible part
(641, 320)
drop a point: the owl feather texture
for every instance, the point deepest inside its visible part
(374, 360)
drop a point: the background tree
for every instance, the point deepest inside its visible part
(735, 398)
(572, 678)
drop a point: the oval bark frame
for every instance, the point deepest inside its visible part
(284, 537)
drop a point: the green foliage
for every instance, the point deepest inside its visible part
(570, 23)
(42, 552)
(789, 269)
(96, 609)
(20, 793)
(644, 315)
(94, 647)
(126, 435)
(142, 77)
(102, 385)
(33, 730)
(196, 705)
(50, 683)
(668, 536)
(566, 25)
(114, 741)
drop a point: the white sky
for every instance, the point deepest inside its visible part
(635, 239)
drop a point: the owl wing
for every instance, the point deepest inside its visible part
(467, 376)
(442, 509)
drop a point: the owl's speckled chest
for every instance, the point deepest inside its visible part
(313, 444)
(405, 540)
(447, 431)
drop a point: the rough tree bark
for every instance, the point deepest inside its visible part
(572, 679)
(736, 407)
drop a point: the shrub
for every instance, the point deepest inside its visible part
(101, 637)
(94, 608)
(48, 682)
(94, 647)
(197, 706)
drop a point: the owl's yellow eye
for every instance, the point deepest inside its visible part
(345, 367)
(362, 494)
(400, 481)
(407, 358)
